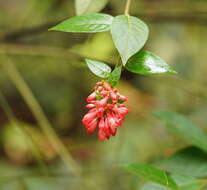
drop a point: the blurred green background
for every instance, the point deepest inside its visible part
(44, 82)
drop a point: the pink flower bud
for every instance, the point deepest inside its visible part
(110, 106)
(88, 117)
(102, 135)
(100, 112)
(122, 110)
(89, 106)
(103, 93)
(99, 88)
(123, 98)
(101, 124)
(103, 102)
(91, 97)
(92, 126)
(113, 96)
(111, 121)
(99, 84)
(107, 87)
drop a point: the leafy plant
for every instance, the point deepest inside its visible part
(185, 169)
(129, 35)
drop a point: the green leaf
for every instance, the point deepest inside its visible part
(184, 183)
(152, 174)
(89, 6)
(190, 161)
(147, 63)
(95, 22)
(129, 35)
(98, 68)
(154, 186)
(183, 128)
(187, 183)
(115, 76)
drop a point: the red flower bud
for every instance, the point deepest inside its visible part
(91, 97)
(123, 98)
(90, 106)
(105, 112)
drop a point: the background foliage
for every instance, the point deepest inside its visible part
(52, 65)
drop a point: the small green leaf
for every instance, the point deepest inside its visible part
(89, 6)
(115, 76)
(183, 128)
(98, 68)
(147, 63)
(129, 35)
(152, 174)
(190, 161)
(95, 22)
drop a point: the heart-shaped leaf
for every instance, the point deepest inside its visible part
(95, 22)
(129, 35)
(152, 174)
(89, 6)
(115, 76)
(146, 63)
(98, 68)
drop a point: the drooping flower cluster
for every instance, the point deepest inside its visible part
(107, 111)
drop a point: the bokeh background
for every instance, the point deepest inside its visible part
(44, 82)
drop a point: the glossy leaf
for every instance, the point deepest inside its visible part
(95, 22)
(183, 128)
(147, 63)
(190, 161)
(152, 174)
(115, 76)
(129, 35)
(98, 68)
(89, 6)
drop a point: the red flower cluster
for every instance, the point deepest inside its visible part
(107, 111)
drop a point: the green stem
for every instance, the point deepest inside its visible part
(127, 7)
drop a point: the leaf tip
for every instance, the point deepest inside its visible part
(52, 28)
(171, 71)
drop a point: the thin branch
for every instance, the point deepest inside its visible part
(44, 123)
(127, 7)
(12, 119)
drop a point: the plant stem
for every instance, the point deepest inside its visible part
(127, 6)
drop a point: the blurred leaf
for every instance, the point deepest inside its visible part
(153, 186)
(115, 76)
(95, 22)
(190, 161)
(183, 182)
(129, 35)
(187, 183)
(89, 6)
(183, 127)
(152, 174)
(98, 68)
(147, 63)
